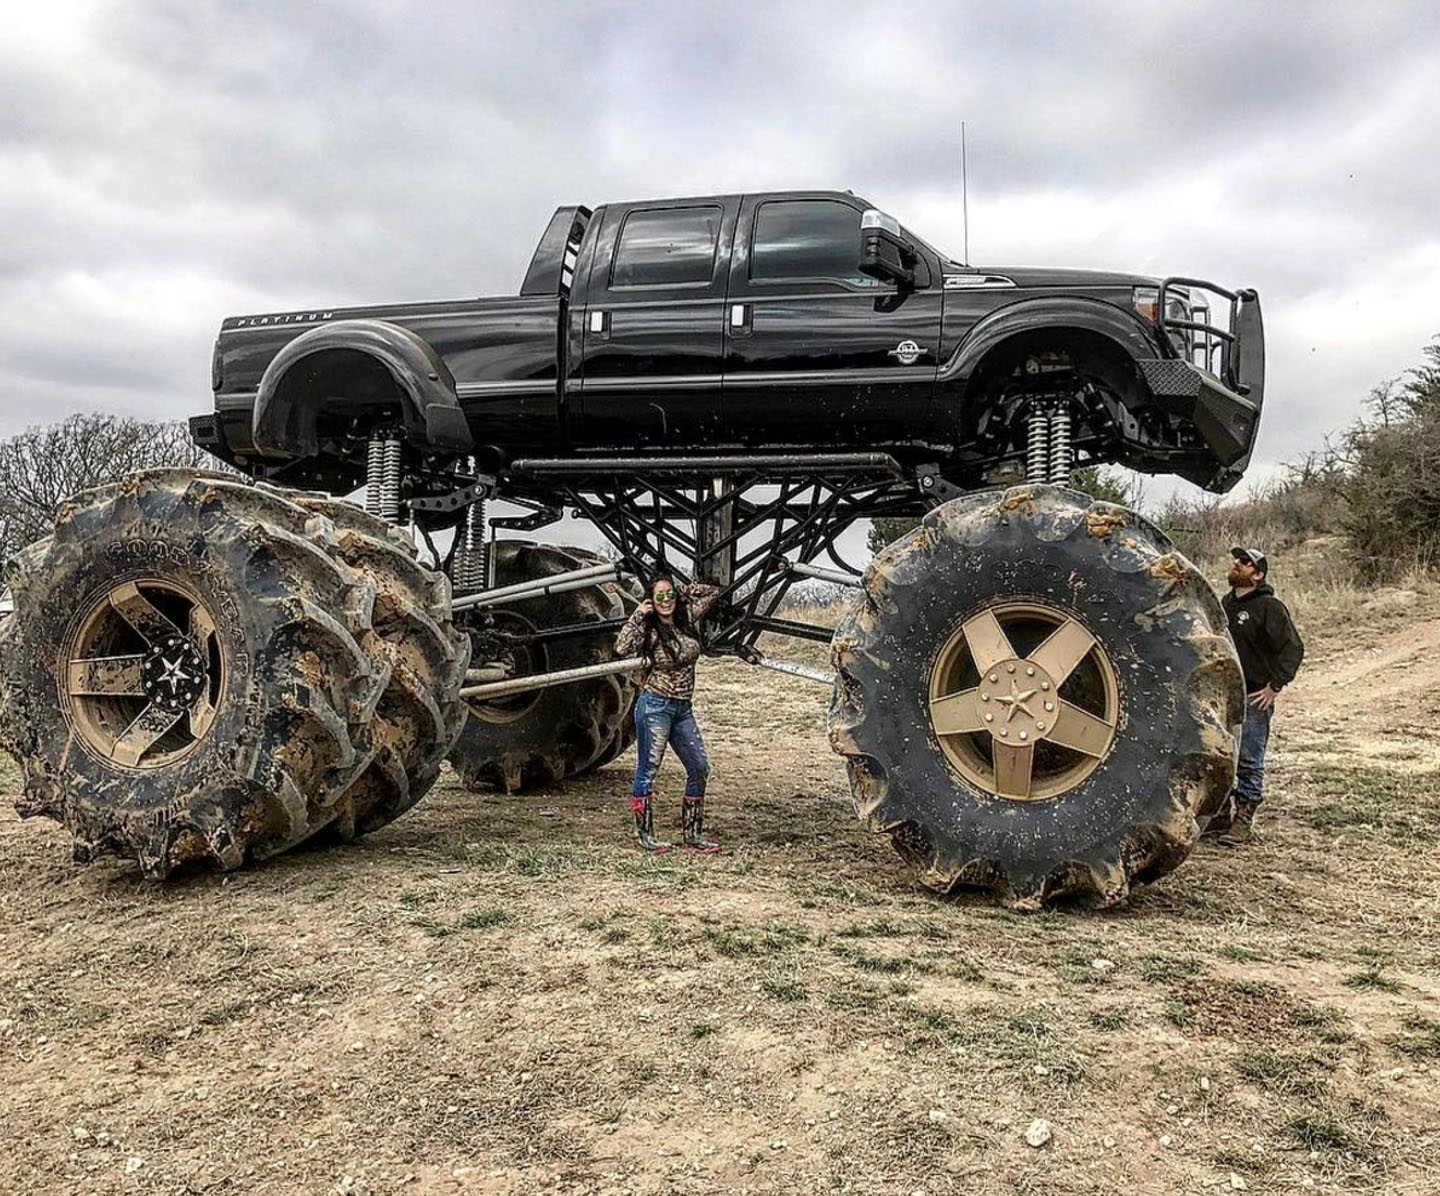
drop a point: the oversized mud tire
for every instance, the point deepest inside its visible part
(182, 680)
(1036, 694)
(543, 737)
(421, 713)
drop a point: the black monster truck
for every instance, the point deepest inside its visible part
(1033, 692)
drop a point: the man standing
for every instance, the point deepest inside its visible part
(1270, 652)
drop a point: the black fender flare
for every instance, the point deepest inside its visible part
(286, 410)
(1054, 313)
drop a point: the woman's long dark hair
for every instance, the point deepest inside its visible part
(657, 630)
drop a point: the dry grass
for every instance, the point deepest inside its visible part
(499, 995)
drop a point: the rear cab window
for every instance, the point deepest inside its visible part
(667, 247)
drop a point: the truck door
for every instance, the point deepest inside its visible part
(815, 349)
(652, 336)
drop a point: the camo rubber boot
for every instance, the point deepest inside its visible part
(645, 826)
(694, 819)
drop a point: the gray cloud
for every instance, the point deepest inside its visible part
(165, 164)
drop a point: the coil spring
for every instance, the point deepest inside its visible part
(471, 569)
(1037, 451)
(1060, 455)
(382, 478)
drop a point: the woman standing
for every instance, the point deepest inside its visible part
(664, 628)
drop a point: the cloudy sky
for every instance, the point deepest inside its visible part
(164, 164)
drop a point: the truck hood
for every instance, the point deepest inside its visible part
(1044, 276)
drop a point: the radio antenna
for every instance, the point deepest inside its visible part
(964, 194)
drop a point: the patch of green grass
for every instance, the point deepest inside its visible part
(1371, 799)
(1240, 953)
(662, 934)
(433, 927)
(1177, 1013)
(867, 961)
(615, 934)
(1316, 1132)
(485, 918)
(699, 1030)
(738, 941)
(878, 928)
(1326, 1022)
(1285, 1072)
(858, 995)
(410, 899)
(784, 988)
(1165, 969)
(1419, 1038)
(1373, 978)
(1114, 1017)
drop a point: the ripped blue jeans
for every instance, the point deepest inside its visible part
(659, 721)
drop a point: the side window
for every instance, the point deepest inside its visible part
(807, 239)
(667, 247)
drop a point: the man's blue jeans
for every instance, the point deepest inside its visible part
(659, 721)
(1254, 736)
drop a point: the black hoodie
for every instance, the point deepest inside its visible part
(1265, 637)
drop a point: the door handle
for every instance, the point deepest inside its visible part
(740, 314)
(600, 323)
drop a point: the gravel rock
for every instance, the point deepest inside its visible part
(1039, 1133)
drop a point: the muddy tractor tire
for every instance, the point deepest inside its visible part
(420, 714)
(1036, 694)
(183, 680)
(540, 738)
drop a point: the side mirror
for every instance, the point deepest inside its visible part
(884, 252)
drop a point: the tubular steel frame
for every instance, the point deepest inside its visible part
(662, 514)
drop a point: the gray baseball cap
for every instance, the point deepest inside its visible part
(1254, 556)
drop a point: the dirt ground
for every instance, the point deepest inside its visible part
(500, 995)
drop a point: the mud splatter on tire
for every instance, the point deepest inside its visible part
(542, 738)
(170, 576)
(1169, 763)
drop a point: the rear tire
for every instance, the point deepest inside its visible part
(182, 680)
(541, 738)
(1107, 791)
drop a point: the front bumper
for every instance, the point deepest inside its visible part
(1216, 376)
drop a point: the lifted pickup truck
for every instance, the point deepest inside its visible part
(1032, 691)
(770, 321)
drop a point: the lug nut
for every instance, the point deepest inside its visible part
(1049, 705)
(1004, 731)
(1023, 735)
(993, 677)
(1009, 668)
(984, 697)
(1030, 672)
(1039, 726)
(1044, 685)
(989, 718)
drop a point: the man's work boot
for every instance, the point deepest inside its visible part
(1242, 829)
(1222, 820)
(694, 819)
(645, 826)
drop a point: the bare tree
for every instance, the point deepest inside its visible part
(44, 465)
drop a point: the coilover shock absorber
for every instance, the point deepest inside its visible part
(1060, 454)
(382, 476)
(1037, 449)
(471, 569)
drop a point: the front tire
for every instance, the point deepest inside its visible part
(182, 679)
(1036, 694)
